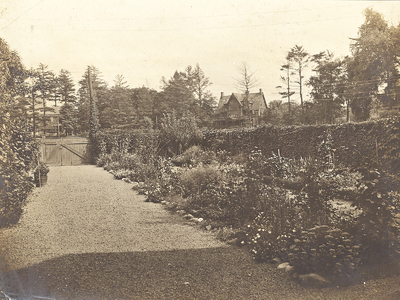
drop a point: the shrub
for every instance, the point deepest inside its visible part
(266, 240)
(195, 181)
(326, 250)
(18, 156)
(178, 134)
(376, 227)
(188, 157)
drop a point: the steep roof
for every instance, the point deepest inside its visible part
(256, 100)
(223, 100)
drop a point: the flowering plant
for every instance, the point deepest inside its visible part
(41, 169)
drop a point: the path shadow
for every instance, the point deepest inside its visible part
(212, 273)
(218, 273)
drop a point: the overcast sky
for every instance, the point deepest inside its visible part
(144, 40)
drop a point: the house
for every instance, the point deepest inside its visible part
(240, 110)
(49, 125)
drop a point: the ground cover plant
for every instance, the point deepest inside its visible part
(315, 212)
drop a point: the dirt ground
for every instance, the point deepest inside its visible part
(85, 235)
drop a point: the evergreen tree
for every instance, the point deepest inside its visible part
(66, 87)
(46, 90)
(100, 93)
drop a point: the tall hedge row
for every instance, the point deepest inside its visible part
(353, 143)
(121, 140)
(369, 142)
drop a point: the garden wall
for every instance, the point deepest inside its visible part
(353, 143)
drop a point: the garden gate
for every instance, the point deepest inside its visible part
(65, 151)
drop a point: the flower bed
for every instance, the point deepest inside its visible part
(279, 207)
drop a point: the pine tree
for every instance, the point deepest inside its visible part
(100, 92)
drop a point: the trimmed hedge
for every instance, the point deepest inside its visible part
(354, 143)
(372, 142)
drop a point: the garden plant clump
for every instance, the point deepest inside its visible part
(315, 212)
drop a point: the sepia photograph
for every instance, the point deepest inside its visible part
(199, 150)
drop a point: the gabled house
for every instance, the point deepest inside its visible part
(240, 110)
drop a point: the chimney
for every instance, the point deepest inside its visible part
(222, 94)
(260, 91)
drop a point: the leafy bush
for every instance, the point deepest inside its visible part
(194, 156)
(325, 250)
(18, 156)
(178, 134)
(376, 227)
(195, 181)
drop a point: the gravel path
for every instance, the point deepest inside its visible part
(87, 236)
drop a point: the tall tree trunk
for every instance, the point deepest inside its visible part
(33, 115)
(288, 89)
(301, 95)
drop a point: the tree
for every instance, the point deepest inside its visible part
(186, 92)
(300, 58)
(120, 83)
(177, 94)
(286, 79)
(328, 86)
(68, 119)
(275, 112)
(46, 89)
(66, 95)
(373, 63)
(204, 100)
(117, 111)
(31, 88)
(146, 108)
(246, 79)
(100, 94)
(120, 95)
(12, 74)
(66, 87)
